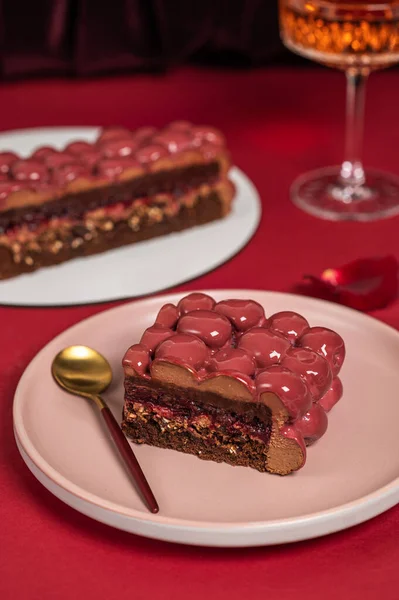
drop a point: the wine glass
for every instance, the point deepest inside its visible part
(357, 37)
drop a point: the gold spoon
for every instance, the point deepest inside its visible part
(84, 372)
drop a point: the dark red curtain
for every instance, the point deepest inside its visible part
(85, 37)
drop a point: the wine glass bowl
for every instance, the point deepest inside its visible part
(342, 35)
(357, 37)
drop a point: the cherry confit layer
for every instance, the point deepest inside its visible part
(123, 188)
(224, 382)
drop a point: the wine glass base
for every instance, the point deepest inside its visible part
(322, 194)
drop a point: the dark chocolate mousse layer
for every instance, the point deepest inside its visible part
(75, 205)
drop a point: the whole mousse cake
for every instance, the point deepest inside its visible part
(125, 187)
(224, 382)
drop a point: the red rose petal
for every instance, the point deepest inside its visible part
(364, 284)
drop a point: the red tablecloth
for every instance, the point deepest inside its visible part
(279, 123)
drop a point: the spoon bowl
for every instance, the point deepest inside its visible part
(82, 370)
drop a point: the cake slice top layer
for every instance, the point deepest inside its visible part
(235, 357)
(233, 349)
(116, 155)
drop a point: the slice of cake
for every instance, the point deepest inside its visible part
(123, 188)
(224, 382)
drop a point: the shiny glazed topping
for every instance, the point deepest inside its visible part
(280, 355)
(115, 151)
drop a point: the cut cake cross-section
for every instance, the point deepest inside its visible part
(125, 187)
(224, 382)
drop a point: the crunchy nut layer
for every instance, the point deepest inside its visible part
(198, 427)
(58, 233)
(62, 239)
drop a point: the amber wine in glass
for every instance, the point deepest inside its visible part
(356, 37)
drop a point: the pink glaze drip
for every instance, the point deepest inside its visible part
(244, 314)
(43, 152)
(167, 316)
(267, 347)
(6, 159)
(151, 153)
(79, 147)
(312, 367)
(188, 349)
(59, 159)
(212, 328)
(137, 358)
(195, 301)
(118, 148)
(290, 432)
(29, 170)
(174, 141)
(144, 133)
(155, 335)
(233, 359)
(288, 386)
(313, 424)
(327, 343)
(207, 134)
(333, 395)
(290, 324)
(69, 172)
(91, 158)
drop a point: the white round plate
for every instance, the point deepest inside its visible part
(134, 270)
(351, 475)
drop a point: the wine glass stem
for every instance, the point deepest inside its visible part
(352, 172)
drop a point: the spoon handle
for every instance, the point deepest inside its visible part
(128, 456)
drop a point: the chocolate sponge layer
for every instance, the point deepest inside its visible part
(195, 422)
